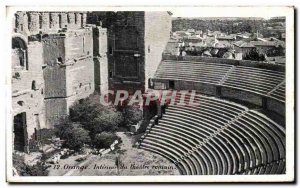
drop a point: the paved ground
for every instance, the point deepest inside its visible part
(132, 162)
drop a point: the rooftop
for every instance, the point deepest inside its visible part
(243, 44)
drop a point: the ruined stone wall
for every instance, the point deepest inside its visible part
(21, 23)
(100, 59)
(59, 66)
(79, 64)
(55, 110)
(78, 44)
(28, 89)
(158, 26)
(31, 23)
(80, 80)
(54, 72)
(69, 74)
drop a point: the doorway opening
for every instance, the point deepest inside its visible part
(171, 84)
(20, 132)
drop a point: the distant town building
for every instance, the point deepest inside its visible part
(243, 47)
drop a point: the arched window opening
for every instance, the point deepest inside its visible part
(33, 85)
(19, 50)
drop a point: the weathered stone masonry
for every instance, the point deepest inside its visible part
(136, 41)
(57, 59)
(52, 67)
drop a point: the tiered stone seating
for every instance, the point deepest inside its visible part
(210, 73)
(259, 81)
(254, 80)
(279, 93)
(217, 137)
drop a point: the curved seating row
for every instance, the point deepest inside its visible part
(279, 93)
(192, 71)
(218, 137)
(254, 80)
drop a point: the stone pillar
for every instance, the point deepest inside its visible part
(100, 59)
(71, 20)
(78, 20)
(34, 22)
(25, 22)
(102, 42)
(64, 20)
(83, 19)
(54, 21)
(45, 21)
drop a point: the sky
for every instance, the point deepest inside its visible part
(262, 12)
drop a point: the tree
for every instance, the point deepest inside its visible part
(95, 117)
(104, 139)
(132, 115)
(254, 55)
(28, 170)
(107, 120)
(84, 112)
(277, 51)
(73, 134)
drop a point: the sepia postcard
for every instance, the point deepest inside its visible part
(150, 94)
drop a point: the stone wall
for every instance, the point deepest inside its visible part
(100, 59)
(126, 64)
(276, 106)
(56, 109)
(54, 72)
(78, 44)
(80, 80)
(28, 90)
(69, 75)
(58, 69)
(30, 23)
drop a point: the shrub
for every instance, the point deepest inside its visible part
(254, 55)
(94, 116)
(45, 135)
(35, 170)
(18, 163)
(26, 170)
(104, 139)
(73, 134)
(84, 112)
(107, 120)
(131, 115)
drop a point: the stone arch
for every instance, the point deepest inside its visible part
(20, 51)
(18, 42)
(23, 37)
